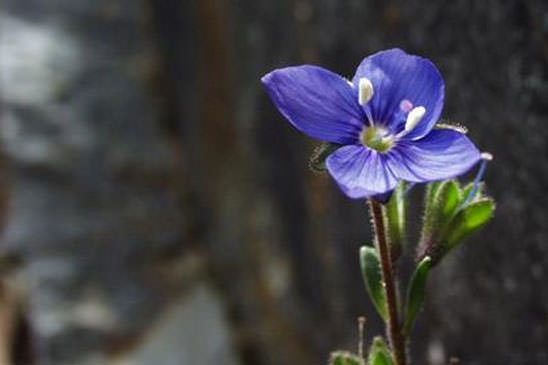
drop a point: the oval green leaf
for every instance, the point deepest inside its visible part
(379, 353)
(372, 277)
(469, 220)
(415, 293)
(395, 215)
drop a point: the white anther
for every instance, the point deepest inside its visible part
(349, 82)
(365, 91)
(486, 156)
(414, 117)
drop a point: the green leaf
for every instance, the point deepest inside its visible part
(344, 358)
(372, 276)
(431, 190)
(432, 205)
(395, 216)
(415, 293)
(379, 353)
(468, 188)
(320, 153)
(450, 197)
(442, 201)
(469, 220)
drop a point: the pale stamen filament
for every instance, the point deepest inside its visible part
(485, 157)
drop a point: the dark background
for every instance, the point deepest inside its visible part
(158, 210)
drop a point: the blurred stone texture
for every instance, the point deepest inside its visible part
(161, 211)
(95, 209)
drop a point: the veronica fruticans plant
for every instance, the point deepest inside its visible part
(381, 137)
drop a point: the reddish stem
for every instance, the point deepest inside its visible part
(395, 337)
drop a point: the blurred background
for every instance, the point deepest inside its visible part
(157, 209)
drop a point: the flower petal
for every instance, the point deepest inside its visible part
(317, 102)
(398, 76)
(360, 172)
(442, 154)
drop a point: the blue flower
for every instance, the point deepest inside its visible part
(383, 119)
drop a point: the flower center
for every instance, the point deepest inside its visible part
(377, 138)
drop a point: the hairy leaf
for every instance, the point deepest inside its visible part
(344, 358)
(372, 276)
(379, 353)
(415, 293)
(395, 216)
(469, 220)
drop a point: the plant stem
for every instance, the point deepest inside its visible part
(395, 337)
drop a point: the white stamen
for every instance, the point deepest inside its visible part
(486, 156)
(349, 82)
(365, 91)
(414, 117)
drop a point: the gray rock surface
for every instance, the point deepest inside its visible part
(94, 209)
(193, 331)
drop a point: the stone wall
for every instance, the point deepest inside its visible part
(158, 209)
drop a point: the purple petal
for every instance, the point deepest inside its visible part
(398, 76)
(360, 172)
(317, 102)
(442, 154)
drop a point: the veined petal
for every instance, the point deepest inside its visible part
(318, 102)
(360, 172)
(442, 154)
(398, 76)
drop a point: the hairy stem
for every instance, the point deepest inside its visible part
(395, 337)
